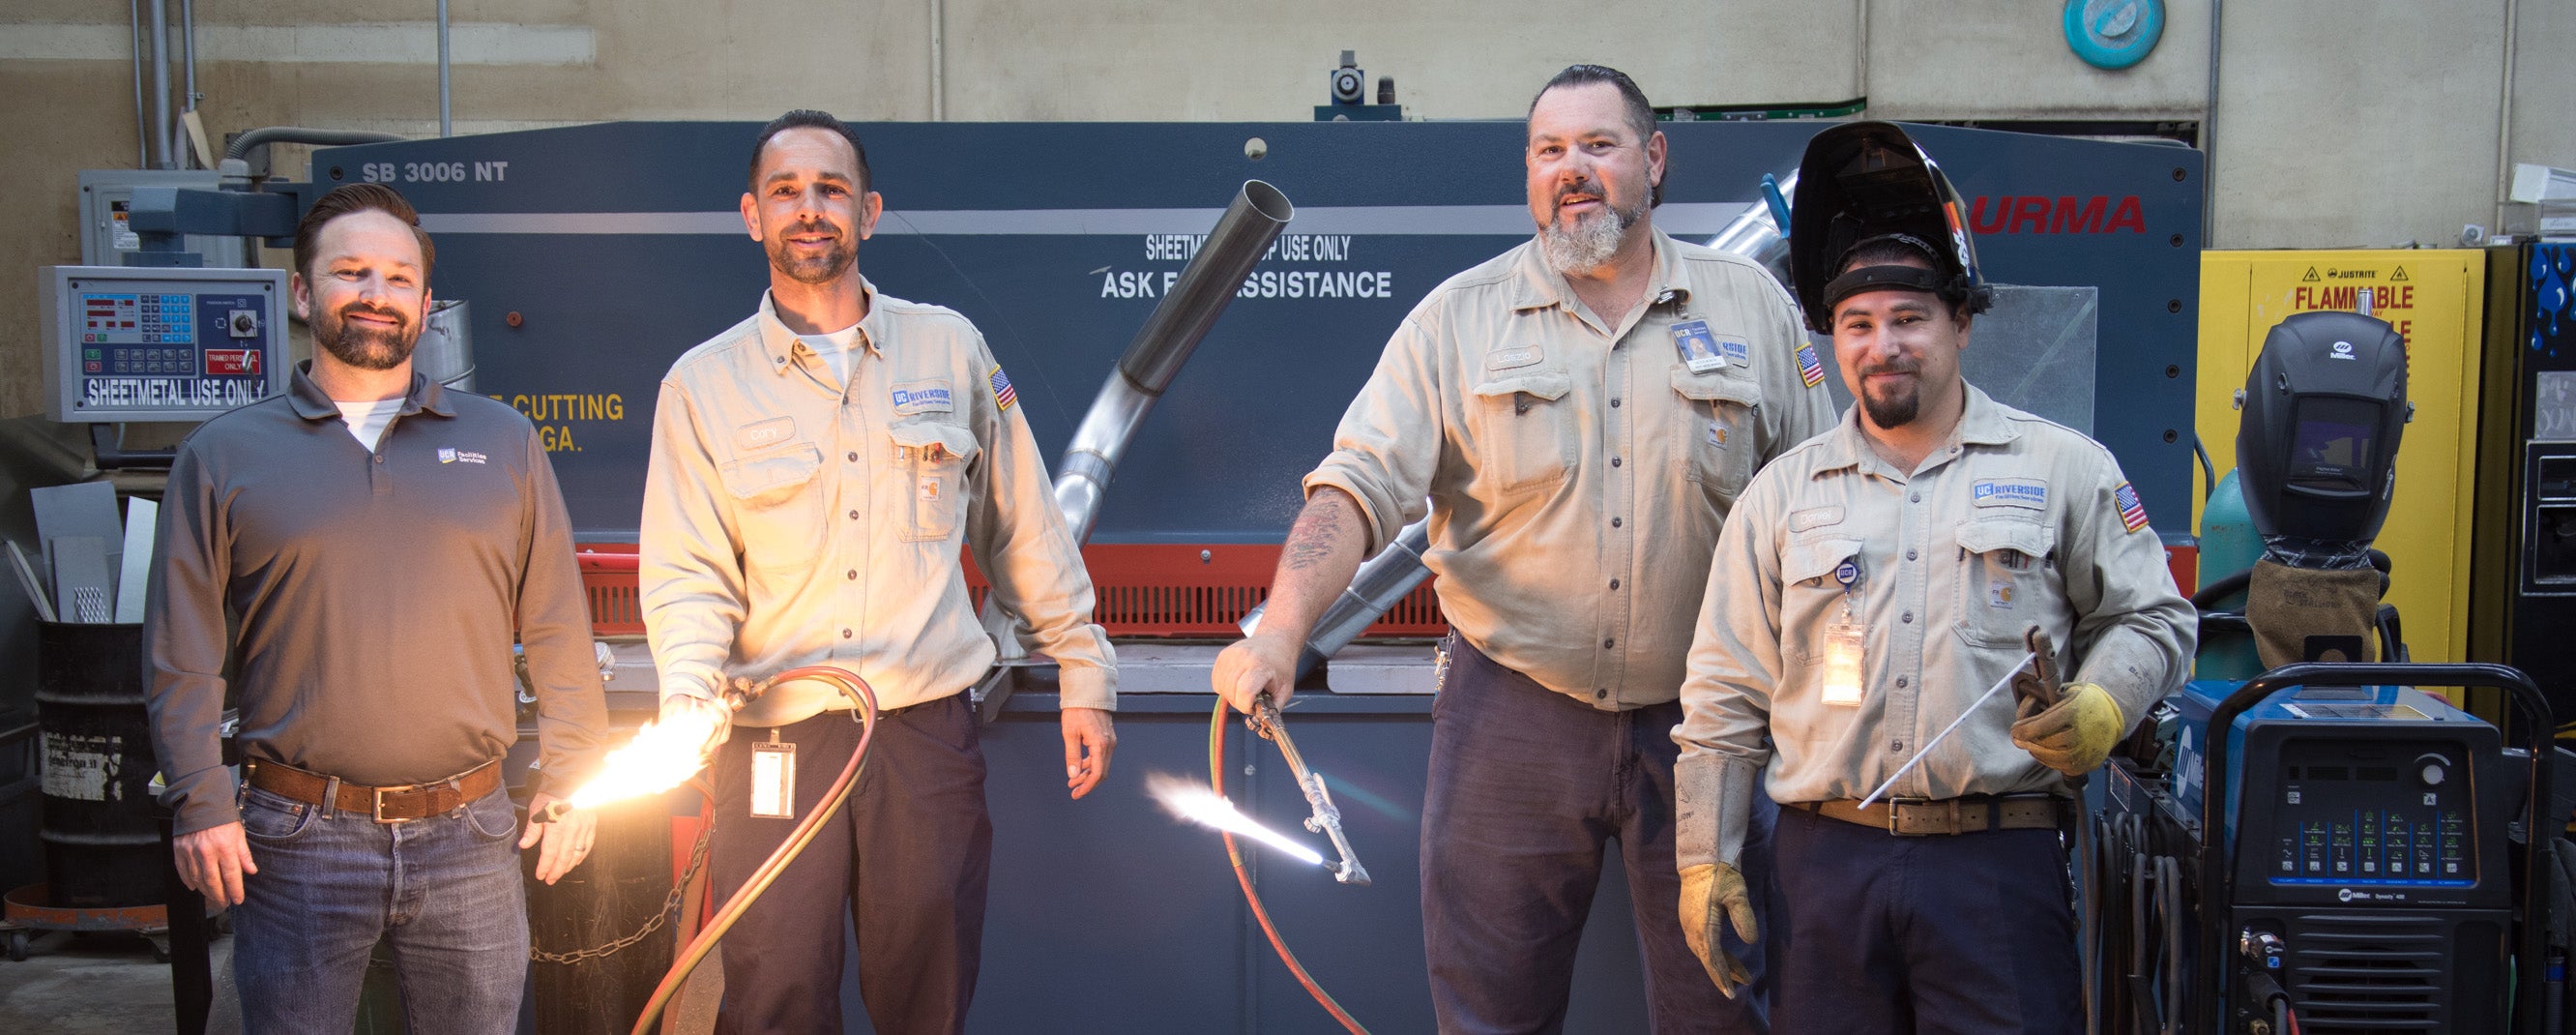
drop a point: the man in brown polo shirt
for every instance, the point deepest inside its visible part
(378, 539)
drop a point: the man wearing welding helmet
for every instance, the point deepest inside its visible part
(1581, 412)
(1873, 584)
(815, 471)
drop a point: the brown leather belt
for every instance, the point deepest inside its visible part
(383, 804)
(1949, 816)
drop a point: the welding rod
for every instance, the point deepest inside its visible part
(1937, 738)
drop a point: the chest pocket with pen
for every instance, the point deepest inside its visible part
(778, 507)
(932, 459)
(2008, 581)
(1525, 430)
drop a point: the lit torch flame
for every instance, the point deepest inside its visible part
(1194, 802)
(661, 757)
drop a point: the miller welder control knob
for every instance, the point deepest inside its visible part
(2432, 769)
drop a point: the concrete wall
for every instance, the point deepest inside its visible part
(2372, 122)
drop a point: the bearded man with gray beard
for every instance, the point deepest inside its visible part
(1580, 413)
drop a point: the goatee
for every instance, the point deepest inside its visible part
(1590, 241)
(367, 348)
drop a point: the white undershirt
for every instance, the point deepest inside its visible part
(367, 420)
(835, 349)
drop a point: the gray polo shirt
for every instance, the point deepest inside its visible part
(376, 593)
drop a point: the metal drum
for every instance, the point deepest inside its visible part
(102, 843)
(445, 352)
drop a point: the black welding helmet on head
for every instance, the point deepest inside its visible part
(1865, 181)
(2316, 449)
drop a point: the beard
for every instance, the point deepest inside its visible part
(1591, 240)
(1896, 407)
(811, 268)
(366, 348)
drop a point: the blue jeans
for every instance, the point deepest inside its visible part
(446, 890)
(1527, 785)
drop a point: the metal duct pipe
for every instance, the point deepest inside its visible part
(1385, 579)
(1755, 236)
(160, 135)
(1174, 330)
(142, 132)
(1381, 582)
(444, 129)
(245, 143)
(188, 62)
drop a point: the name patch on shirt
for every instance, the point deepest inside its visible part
(922, 397)
(765, 433)
(1506, 359)
(459, 456)
(2027, 493)
(1814, 517)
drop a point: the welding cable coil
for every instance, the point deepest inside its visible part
(860, 695)
(1234, 854)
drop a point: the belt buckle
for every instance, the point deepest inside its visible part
(376, 805)
(1895, 817)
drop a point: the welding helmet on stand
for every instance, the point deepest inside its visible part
(1867, 181)
(2316, 455)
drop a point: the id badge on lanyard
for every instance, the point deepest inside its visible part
(773, 779)
(1842, 651)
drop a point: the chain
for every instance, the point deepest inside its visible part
(670, 908)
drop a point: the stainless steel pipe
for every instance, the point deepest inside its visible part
(1159, 349)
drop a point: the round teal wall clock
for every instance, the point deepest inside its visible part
(2113, 34)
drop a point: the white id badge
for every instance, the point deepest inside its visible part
(1842, 664)
(773, 781)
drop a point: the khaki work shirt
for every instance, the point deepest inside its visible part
(2016, 522)
(1577, 469)
(792, 519)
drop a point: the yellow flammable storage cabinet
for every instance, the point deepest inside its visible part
(2433, 298)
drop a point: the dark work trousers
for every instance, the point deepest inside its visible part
(1526, 787)
(1946, 933)
(909, 856)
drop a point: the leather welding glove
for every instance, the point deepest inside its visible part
(1715, 806)
(2075, 734)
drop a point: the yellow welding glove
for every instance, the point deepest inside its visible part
(2075, 734)
(1714, 892)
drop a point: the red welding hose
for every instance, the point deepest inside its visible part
(866, 698)
(1234, 853)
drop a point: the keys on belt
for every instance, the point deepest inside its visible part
(1948, 816)
(393, 804)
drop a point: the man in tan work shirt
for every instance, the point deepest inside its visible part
(1875, 582)
(1581, 412)
(814, 470)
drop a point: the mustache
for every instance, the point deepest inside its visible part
(1583, 187)
(380, 311)
(1902, 366)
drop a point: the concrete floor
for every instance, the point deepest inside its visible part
(104, 985)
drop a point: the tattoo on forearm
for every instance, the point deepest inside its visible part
(1318, 531)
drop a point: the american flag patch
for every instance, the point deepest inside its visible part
(1810, 371)
(1003, 396)
(2133, 514)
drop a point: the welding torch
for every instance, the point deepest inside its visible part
(1327, 817)
(735, 696)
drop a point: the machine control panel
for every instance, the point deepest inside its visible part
(2352, 813)
(155, 344)
(2354, 797)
